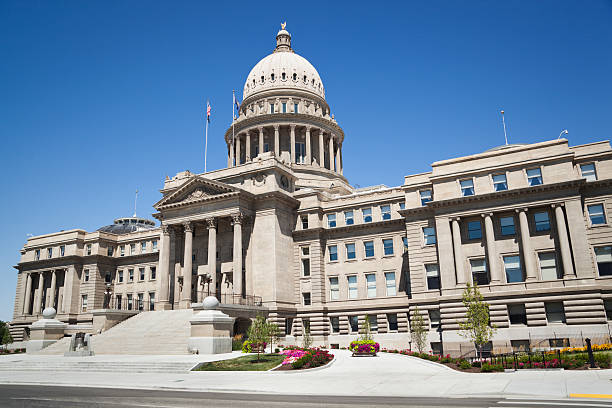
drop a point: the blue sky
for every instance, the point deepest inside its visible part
(98, 99)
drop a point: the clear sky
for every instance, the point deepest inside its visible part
(100, 98)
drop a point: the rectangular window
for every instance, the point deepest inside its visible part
(153, 272)
(122, 250)
(109, 251)
(143, 246)
(120, 274)
(548, 266)
(608, 308)
(433, 276)
(306, 298)
(305, 266)
(118, 305)
(295, 108)
(386, 212)
(348, 218)
(154, 245)
(300, 153)
(271, 108)
(480, 275)
(50, 253)
(83, 303)
(512, 265)
(141, 273)
(371, 285)
(596, 214)
(390, 283)
(554, 312)
(405, 243)
(132, 249)
(542, 223)
(517, 314)
(130, 275)
(519, 345)
(429, 235)
(288, 325)
(425, 197)
(334, 288)
(62, 250)
(373, 323)
(388, 246)
(331, 220)
(467, 187)
(507, 225)
(86, 275)
(603, 255)
(474, 230)
(499, 182)
(402, 206)
(369, 249)
(37, 255)
(354, 323)
(534, 177)
(392, 321)
(141, 301)
(588, 171)
(130, 304)
(88, 249)
(367, 214)
(352, 287)
(435, 319)
(151, 300)
(107, 277)
(284, 107)
(335, 324)
(333, 253)
(304, 221)
(350, 251)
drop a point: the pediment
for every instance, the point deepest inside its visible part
(195, 190)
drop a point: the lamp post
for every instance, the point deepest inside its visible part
(564, 131)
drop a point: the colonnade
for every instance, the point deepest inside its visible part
(324, 140)
(39, 303)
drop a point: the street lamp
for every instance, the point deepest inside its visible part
(563, 132)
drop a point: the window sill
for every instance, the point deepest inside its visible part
(333, 262)
(389, 256)
(351, 260)
(369, 258)
(598, 225)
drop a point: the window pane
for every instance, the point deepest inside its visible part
(603, 256)
(367, 214)
(350, 251)
(425, 196)
(467, 187)
(474, 231)
(369, 248)
(554, 312)
(429, 235)
(392, 321)
(480, 275)
(335, 324)
(354, 323)
(333, 253)
(348, 218)
(334, 288)
(596, 214)
(534, 177)
(371, 285)
(499, 182)
(512, 265)
(548, 266)
(331, 220)
(517, 314)
(388, 246)
(588, 172)
(434, 318)
(352, 287)
(433, 276)
(390, 282)
(386, 212)
(541, 221)
(507, 225)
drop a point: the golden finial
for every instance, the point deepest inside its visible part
(283, 25)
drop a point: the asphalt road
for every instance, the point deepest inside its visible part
(35, 396)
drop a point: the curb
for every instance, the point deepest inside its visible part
(307, 370)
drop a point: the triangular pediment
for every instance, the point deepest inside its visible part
(196, 189)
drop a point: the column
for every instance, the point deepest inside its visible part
(276, 142)
(308, 147)
(494, 271)
(211, 224)
(530, 268)
(39, 294)
(461, 278)
(237, 150)
(164, 269)
(581, 250)
(187, 265)
(566, 253)
(247, 148)
(28, 294)
(331, 152)
(321, 149)
(231, 155)
(51, 300)
(445, 251)
(261, 140)
(340, 160)
(237, 256)
(292, 143)
(338, 157)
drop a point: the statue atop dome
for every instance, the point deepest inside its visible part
(283, 25)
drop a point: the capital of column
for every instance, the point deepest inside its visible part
(292, 127)
(557, 205)
(521, 210)
(165, 229)
(211, 223)
(276, 127)
(237, 218)
(260, 128)
(485, 215)
(188, 226)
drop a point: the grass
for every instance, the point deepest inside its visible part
(244, 363)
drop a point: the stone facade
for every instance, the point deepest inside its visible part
(281, 229)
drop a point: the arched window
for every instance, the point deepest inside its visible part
(305, 79)
(313, 81)
(295, 77)
(262, 79)
(283, 76)
(272, 77)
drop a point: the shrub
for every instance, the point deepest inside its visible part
(602, 360)
(464, 365)
(488, 368)
(364, 346)
(476, 364)
(251, 347)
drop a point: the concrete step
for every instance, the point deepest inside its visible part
(98, 366)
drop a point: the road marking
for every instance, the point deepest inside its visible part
(607, 396)
(570, 404)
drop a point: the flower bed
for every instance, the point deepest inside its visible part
(251, 347)
(364, 347)
(297, 358)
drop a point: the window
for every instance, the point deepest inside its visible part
(107, 277)
(369, 249)
(352, 287)
(334, 288)
(354, 323)
(272, 77)
(154, 245)
(429, 235)
(141, 273)
(284, 105)
(118, 305)
(120, 274)
(373, 322)
(300, 153)
(153, 271)
(143, 246)
(517, 314)
(348, 218)
(507, 225)
(603, 255)
(333, 253)
(388, 246)
(371, 285)
(141, 301)
(86, 275)
(130, 304)
(596, 214)
(50, 253)
(130, 275)
(512, 265)
(436, 347)
(433, 276)
(392, 321)
(109, 250)
(434, 319)
(425, 197)
(390, 283)
(554, 312)
(83, 303)
(367, 214)
(474, 230)
(305, 261)
(331, 220)
(405, 242)
(386, 212)
(548, 266)
(88, 249)
(304, 221)
(467, 187)
(271, 108)
(541, 221)
(122, 250)
(559, 342)
(350, 251)
(335, 324)
(499, 182)
(37, 255)
(534, 177)
(480, 275)
(62, 250)
(402, 206)
(288, 325)
(151, 300)
(519, 345)
(306, 298)
(588, 171)
(132, 249)
(295, 107)
(608, 308)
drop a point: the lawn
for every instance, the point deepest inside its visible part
(244, 363)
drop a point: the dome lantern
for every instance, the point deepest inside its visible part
(283, 40)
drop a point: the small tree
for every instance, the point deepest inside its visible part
(306, 338)
(274, 333)
(477, 326)
(258, 334)
(366, 329)
(418, 330)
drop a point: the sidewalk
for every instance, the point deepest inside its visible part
(386, 375)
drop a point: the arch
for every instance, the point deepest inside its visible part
(241, 325)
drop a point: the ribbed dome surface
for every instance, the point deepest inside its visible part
(127, 225)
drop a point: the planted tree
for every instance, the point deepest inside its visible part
(477, 325)
(274, 333)
(418, 330)
(258, 334)
(366, 330)
(306, 338)
(5, 334)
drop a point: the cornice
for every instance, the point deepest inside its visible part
(283, 93)
(327, 232)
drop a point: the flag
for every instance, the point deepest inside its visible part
(208, 111)
(237, 104)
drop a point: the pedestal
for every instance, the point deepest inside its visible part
(45, 331)
(210, 330)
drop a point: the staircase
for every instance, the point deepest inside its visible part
(159, 332)
(70, 365)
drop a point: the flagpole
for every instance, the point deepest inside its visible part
(233, 120)
(504, 123)
(206, 138)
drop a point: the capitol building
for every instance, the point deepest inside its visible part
(280, 231)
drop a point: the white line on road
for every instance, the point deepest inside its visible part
(569, 404)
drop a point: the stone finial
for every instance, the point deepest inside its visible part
(210, 303)
(49, 313)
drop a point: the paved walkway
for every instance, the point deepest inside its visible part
(386, 375)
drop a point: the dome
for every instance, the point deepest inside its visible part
(127, 225)
(283, 69)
